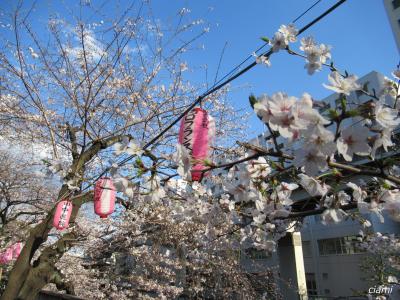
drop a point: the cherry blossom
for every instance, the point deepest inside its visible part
(353, 140)
(342, 85)
(305, 116)
(392, 203)
(386, 116)
(307, 43)
(261, 108)
(262, 59)
(289, 31)
(285, 35)
(313, 186)
(282, 118)
(343, 198)
(283, 192)
(332, 216)
(320, 139)
(128, 146)
(33, 53)
(359, 195)
(279, 42)
(258, 218)
(316, 55)
(383, 139)
(311, 159)
(259, 168)
(389, 89)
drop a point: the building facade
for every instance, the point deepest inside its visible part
(332, 258)
(393, 11)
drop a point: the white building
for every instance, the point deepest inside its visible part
(332, 259)
(393, 11)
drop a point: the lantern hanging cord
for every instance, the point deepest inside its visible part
(220, 84)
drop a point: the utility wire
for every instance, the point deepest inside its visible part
(262, 46)
(223, 83)
(310, 8)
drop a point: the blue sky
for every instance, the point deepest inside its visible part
(358, 31)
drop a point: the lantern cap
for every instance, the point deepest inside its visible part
(199, 109)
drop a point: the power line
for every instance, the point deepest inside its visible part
(327, 12)
(310, 8)
(223, 83)
(262, 46)
(241, 72)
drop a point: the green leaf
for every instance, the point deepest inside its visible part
(252, 100)
(333, 114)
(265, 39)
(352, 113)
(208, 163)
(343, 103)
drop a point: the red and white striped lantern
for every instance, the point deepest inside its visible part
(104, 197)
(62, 214)
(196, 134)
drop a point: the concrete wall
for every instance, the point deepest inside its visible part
(337, 275)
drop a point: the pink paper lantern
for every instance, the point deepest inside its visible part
(6, 256)
(196, 134)
(11, 253)
(62, 214)
(17, 247)
(104, 197)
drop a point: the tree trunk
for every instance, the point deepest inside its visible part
(22, 266)
(26, 278)
(45, 271)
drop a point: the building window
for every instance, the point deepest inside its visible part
(311, 284)
(352, 245)
(253, 253)
(341, 245)
(307, 252)
(396, 4)
(327, 291)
